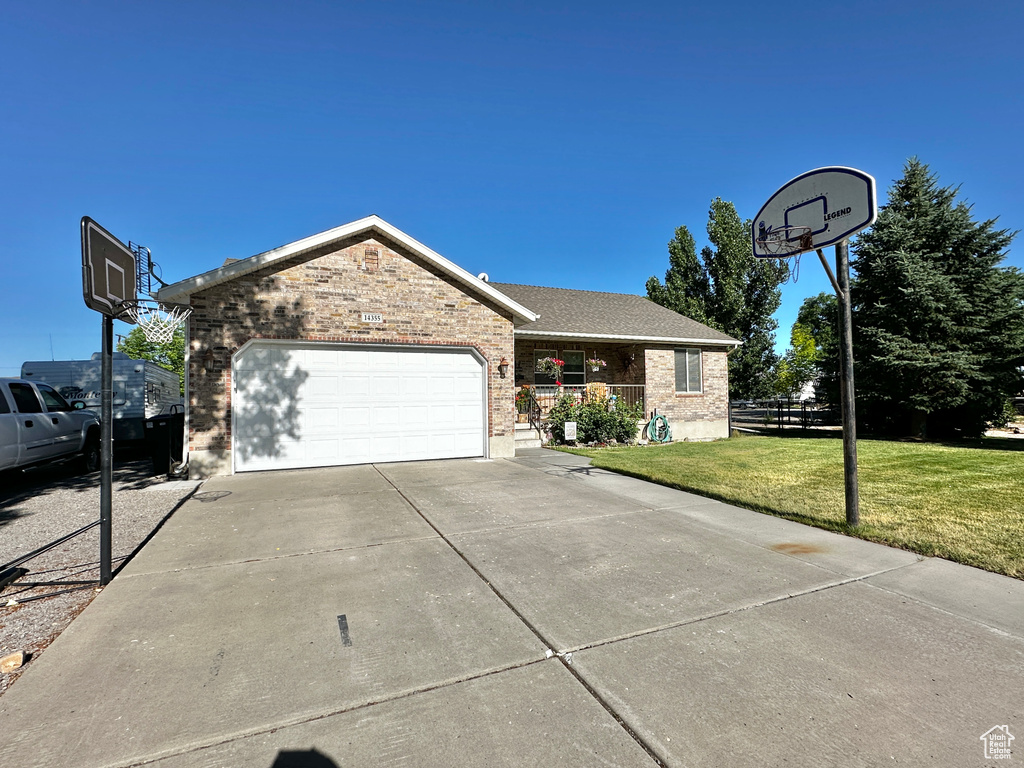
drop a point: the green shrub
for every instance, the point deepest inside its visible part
(597, 421)
(1009, 414)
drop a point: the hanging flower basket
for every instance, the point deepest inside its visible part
(596, 364)
(551, 366)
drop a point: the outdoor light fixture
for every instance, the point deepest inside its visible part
(208, 360)
(503, 367)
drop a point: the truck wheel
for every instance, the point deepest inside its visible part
(91, 456)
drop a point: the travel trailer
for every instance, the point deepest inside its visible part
(142, 389)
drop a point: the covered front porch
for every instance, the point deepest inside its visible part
(644, 354)
(622, 376)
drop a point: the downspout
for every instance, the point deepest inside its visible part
(182, 469)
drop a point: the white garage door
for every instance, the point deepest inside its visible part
(318, 405)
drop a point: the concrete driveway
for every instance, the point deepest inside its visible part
(525, 612)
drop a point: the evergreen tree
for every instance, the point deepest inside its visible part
(938, 324)
(170, 355)
(687, 285)
(729, 290)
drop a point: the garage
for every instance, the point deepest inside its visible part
(355, 345)
(298, 404)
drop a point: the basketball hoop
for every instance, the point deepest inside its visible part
(785, 241)
(158, 321)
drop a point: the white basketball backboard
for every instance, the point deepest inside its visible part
(816, 209)
(108, 269)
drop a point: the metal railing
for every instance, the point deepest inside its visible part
(527, 403)
(627, 394)
(546, 395)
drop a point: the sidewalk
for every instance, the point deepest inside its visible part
(526, 612)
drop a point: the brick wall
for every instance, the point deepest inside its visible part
(691, 416)
(321, 296)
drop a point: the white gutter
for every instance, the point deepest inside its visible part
(617, 337)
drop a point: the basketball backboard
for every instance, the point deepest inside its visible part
(816, 209)
(108, 269)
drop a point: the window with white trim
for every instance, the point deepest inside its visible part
(572, 373)
(688, 371)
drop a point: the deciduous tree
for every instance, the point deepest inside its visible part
(799, 365)
(170, 355)
(729, 290)
(819, 315)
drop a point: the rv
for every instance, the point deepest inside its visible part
(142, 389)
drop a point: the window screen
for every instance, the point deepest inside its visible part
(688, 372)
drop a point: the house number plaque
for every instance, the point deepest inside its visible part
(373, 317)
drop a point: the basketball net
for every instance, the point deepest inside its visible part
(157, 321)
(788, 244)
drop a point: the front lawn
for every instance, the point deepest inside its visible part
(961, 503)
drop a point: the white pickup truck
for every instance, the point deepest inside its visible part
(38, 425)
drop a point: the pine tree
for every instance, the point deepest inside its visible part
(729, 290)
(938, 324)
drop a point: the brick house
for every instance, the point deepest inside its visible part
(360, 344)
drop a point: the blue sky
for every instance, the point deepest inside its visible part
(545, 143)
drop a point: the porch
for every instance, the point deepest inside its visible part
(534, 404)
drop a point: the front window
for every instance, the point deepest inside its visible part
(573, 371)
(688, 371)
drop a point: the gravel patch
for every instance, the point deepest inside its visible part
(42, 505)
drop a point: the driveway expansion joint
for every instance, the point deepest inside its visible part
(285, 556)
(727, 612)
(920, 601)
(565, 658)
(313, 717)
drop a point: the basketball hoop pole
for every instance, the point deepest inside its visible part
(106, 447)
(848, 399)
(823, 207)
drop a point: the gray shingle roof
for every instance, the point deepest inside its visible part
(568, 313)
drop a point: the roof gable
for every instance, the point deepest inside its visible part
(369, 226)
(568, 313)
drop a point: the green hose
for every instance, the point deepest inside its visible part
(658, 430)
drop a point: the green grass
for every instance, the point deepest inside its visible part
(962, 503)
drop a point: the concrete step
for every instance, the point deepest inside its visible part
(534, 443)
(527, 437)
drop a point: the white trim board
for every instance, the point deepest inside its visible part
(180, 291)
